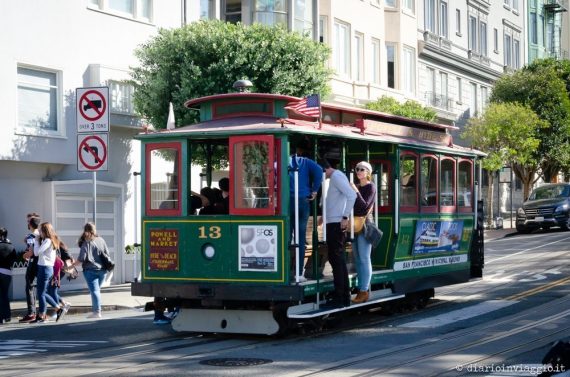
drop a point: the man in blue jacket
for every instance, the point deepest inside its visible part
(310, 178)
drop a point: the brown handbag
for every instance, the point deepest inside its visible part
(358, 224)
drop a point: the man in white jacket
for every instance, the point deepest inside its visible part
(339, 202)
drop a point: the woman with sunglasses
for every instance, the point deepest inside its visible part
(362, 249)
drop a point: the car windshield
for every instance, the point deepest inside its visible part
(550, 192)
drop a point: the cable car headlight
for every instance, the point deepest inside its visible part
(208, 251)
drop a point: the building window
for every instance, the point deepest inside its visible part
(409, 82)
(430, 93)
(207, 9)
(483, 38)
(516, 5)
(410, 5)
(232, 12)
(459, 90)
(429, 15)
(375, 69)
(358, 56)
(341, 50)
(549, 43)
(443, 19)
(443, 90)
(496, 40)
(121, 97)
(323, 33)
(533, 28)
(472, 33)
(391, 64)
(507, 2)
(473, 104)
(270, 12)
(136, 9)
(390, 3)
(516, 54)
(507, 51)
(484, 96)
(38, 99)
(458, 22)
(303, 17)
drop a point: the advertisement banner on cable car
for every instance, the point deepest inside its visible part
(437, 236)
(257, 248)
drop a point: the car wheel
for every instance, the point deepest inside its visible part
(567, 225)
(523, 230)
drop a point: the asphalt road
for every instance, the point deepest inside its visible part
(509, 318)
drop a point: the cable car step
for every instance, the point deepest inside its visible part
(311, 310)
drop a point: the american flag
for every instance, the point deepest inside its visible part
(309, 106)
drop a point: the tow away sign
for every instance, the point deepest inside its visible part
(92, 152)
(92, 109)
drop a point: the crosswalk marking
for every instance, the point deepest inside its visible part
(21, 347)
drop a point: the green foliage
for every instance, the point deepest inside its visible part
(508, 133)
(207, 57)
(543, 86)
(410, 109)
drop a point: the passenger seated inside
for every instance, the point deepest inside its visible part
(223, 206)
(408, 190)
(214, 196)
(197, 201)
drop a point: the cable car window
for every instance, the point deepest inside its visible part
(384, 183)
(408, 185)
(252, 174)
(429, 181)
(465, 184)
(163, 179)
(447, 183)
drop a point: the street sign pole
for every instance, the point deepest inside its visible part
(95, 198)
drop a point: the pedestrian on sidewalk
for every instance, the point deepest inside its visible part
(7, 258)
(92, 246)
(33, 220)
(45, 247)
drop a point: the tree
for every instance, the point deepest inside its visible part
(508, 133)
(207, 57)
(409, 109)
(543, 86)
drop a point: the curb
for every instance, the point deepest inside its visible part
(18, 314)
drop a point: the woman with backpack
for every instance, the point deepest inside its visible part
(92, 261)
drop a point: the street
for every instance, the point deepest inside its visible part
(509, 318)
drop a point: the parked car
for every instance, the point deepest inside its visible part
(547, 206)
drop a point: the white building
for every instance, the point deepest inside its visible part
(50, 48)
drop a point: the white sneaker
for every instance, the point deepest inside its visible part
(94, 315)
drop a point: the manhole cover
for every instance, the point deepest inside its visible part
(235, 362)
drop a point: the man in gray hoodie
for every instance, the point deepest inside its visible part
(339, 202)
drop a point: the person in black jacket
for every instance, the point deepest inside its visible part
(7, 258)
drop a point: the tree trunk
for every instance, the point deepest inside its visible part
(490, 196)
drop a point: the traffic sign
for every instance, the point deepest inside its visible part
(92, 109)
(92, 152)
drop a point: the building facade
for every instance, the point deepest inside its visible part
(545, 26)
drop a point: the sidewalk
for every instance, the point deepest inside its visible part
(115, 297)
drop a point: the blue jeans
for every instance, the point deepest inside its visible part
(362, 250)
(44, 276)
(304, 212)
(94, 279)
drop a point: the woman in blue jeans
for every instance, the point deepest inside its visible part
(362, 249)
(91, 248)
(45, 246)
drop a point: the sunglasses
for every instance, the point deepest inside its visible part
(359, 169)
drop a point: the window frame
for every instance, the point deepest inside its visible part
(444, 208)
(375, 164)
(408, 208)
(341, 63)
(466, 208)
(34, 130)
(358, 56)
(136, 15)
(430, 208)
(409, 72)
(148, 171)
(376, 69)
(394, 65)
(271, 208)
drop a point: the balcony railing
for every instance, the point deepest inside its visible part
(556, 5)
(439, 101)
